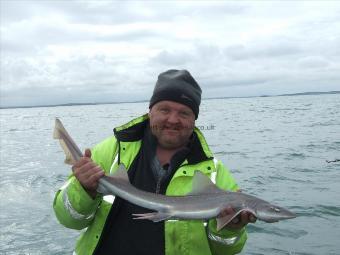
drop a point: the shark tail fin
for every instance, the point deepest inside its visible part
(71, 150)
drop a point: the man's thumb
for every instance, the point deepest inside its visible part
(87, 153)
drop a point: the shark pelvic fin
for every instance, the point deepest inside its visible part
(201, 184)
(154, 216)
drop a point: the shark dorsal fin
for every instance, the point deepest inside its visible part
(121, 173)
(201, 184)
(119, 176)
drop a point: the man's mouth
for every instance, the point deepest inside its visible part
(171, 130)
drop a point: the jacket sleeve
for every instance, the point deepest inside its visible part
(72, 205)
(225, 241)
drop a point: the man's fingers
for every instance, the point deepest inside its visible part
(96, 174)
(247, 217)
(82, 166)
(244, 217)
(89, 169)
(252, 218)
(81, 162)
(100, 174)
(228, 210)
(91, 182)
(87, 174)
(241, 219)
(235, 220)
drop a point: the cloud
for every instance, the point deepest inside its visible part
(280, 48)
(73, 51)
(313, 62)
(167, 58)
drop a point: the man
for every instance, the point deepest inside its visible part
(161, 151)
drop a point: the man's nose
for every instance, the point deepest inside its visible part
(173, 118)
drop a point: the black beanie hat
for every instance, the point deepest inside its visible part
(178, 86)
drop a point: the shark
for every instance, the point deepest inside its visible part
(204, 202)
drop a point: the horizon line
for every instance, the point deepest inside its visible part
(147, 100)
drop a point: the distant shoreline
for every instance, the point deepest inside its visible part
(142, 101)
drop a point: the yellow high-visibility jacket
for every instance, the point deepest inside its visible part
(75, 209)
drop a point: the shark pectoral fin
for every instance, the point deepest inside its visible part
(222, 221)
(154, 216)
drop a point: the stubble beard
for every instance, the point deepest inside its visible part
(170, 142)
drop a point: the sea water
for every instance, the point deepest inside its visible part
(276, 148)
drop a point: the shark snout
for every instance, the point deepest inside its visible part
(288, 214)
(272, 213)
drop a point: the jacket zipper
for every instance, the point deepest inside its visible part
(158, 186)
(160, 178)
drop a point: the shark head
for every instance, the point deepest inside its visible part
(272, 213)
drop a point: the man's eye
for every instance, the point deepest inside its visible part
(164, 110)
(184, 114)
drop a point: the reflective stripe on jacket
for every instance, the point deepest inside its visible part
(75, 209)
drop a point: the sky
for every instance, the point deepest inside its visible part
(56, 52)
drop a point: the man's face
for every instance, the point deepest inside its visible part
(172, 123)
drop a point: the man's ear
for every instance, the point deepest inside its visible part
(149, 113)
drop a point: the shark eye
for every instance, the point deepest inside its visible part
(275, 209)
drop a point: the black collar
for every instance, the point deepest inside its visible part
(136, 133)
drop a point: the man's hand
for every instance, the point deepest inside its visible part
(240, 220)
(88, 173)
